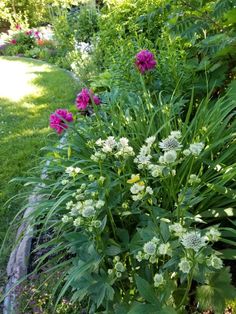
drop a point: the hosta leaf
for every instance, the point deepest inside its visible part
(113, 250)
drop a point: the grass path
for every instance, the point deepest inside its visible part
(29, 92)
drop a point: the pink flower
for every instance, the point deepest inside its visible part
(83, 99)
(145, 61)
(13, 41)
(18, 27)
(58, 119)
(29, 32)
(37, 34)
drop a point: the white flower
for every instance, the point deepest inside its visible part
(64, 182)
(214, 262)
(88, 211)
(164, 249)
(158, 280)
(119, 267)
(149, 190)
(139, 256)
(99, 142)
(150, 248)
(175, 134)
(99, 204)
(193, 240)
(170, 156)
(150, 140)
(107, 149)
(156, 170)
(213, 235)
(137, 197)
(170, 143)
(186, 152)
(184, 265)
(136, 188)
(88, 202)
(69, 170)
(193, 178)
(161, 159)
(124, 141)
(65, 219)
(69, 205)
(196, 148)
(77, 222)
(97, 223)
(177, 229)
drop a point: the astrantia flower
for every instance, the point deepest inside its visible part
(150, 140)
(213, 235)
(214, 262)
(170, 156)
(170, 143)
(150, 248)
(184, 265)
(193, 240)
(136, 188)
(164, 249)
(196, 148)
(59, 118)
(158, 280)
(145, 61)
(88, 211)
(177, 229)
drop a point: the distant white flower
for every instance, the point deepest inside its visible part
(175, 134)
(139, 256)
(99, 142)
(196, 148)
(214, 262)
(164, 249)
(177, 229)
(170, 156)
(149, 190)
(184, 265)
(150, 140)
(213, 235)
(156, 170)
(137, 197)
(170, 143)
(150, 248)
(65, 219)
(97, 223)
(99, 204)
(69, 205)
(158, 280)
(193, 240)
(64, 182)
(193, 178)
(119, 267)
(124, 141)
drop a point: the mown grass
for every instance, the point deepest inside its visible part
(29, 92)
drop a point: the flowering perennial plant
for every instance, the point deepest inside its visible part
(145, 61)
(86, 98)
(59, 118)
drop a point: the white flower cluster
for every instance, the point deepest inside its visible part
(213, 235)
(194, 149)
(194, 179)
(153, 249)
(215, 262)
(185, 265)
(193, 240)
(118, 269)
(120, 148)
(143, 159)
(158, 280)
(72, 171)
(177, 229)
(139, 190)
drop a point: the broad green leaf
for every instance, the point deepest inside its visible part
(146, 290)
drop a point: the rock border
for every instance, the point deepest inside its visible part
(17, 267)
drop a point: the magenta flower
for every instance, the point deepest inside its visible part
(13, 41)
(29, 32)
(145, 61)
(37, 34)
(59, 118)
(18, 27)
(83, 99)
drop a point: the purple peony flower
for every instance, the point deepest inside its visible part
(58, 118)
(145, 61)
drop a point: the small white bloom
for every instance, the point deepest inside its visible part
(107, 149)
(137, 197)
(158, 280)
(150, 140)
(77, 222)
(91, 177)
(136, 188)
(149, 190)
(65, 219)
(110, 271)
(99, 142)
(69, 205)
(139, 256)
(124, 141)
(193, 240)
(193, 178)
(184, 265)
(64, 182)
(170, 156)
(150, 248)
(119, 267)
(213, 235)
(88, 211)
(187, 152)
(165, 249)
(175, 134)
(97, 223)
(69, 170)
(99, 204)
(196, 148)
(177, 229)
(77, 170)
(156, 170)
(161, 159)
(170, 143)
(214, 262)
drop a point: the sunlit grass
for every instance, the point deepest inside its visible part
(29, 92)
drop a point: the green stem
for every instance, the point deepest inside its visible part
(190, 278)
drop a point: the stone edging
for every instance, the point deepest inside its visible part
(17, 267)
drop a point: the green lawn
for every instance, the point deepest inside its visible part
(29, 91)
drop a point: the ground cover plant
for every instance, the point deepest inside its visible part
(24, 128)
